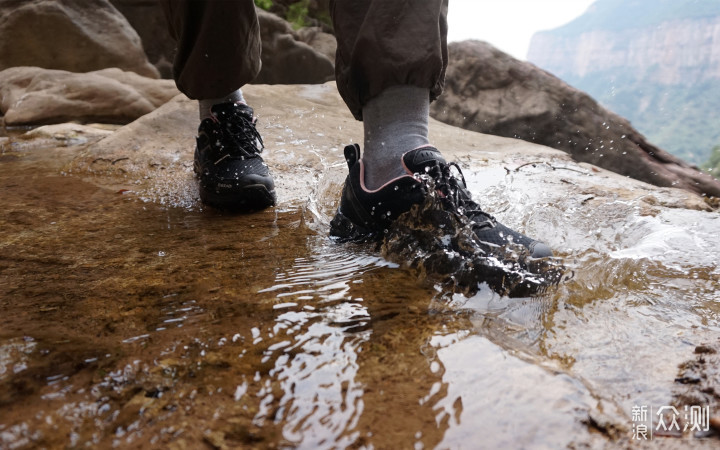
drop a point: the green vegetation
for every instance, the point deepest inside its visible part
(712, 165)
(297, 14)
(680, 119)
(300, 13)
(603, 14)
(264, 4)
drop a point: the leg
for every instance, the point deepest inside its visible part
(389, 43)
(218, 53)
(391, 62)
(218, 45)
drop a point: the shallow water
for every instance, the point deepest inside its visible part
(134, 319)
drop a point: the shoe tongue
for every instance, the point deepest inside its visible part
(417, 160)
(230, 108)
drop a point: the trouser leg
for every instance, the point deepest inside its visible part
(218, 45)
(384, 43)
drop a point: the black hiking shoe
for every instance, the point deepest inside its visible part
(366, 215)
(231, 173)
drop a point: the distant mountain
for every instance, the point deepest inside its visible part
(655, 62)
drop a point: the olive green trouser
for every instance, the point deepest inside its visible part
(381, 43)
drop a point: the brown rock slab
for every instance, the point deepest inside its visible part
(286, 59)
(322, 42)
(148, 20)
(31, 95)
(73, 35)
(66, 134)
(305, 128)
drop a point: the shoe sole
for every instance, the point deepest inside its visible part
(345, 230)
(252, 197)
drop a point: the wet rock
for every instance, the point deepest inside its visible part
(490, 92)
(66, 134)
(161, 139)
(31, 95)
(216, 439)
(697, 382)
(72, 35)
(286, 59)
(82, 262)
(162, 143)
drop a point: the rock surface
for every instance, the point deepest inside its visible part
(293, 118)
(31, 95)
(148, 20)
(103, 244)
(491, 92)
(67, 134)
(320, 41)
(72, 35)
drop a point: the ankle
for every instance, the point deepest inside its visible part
(396, 121)
(205, 105)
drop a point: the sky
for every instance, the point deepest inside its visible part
(509, 24)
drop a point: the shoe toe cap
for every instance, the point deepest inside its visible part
(541, 250)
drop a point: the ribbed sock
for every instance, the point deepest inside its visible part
(395, 122)
(206, 104)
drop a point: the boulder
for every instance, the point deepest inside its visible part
(322, 42)
(72, 35)
(286, 59)
(31, 95)
(68, 134)
(148, 20)
(491, 92)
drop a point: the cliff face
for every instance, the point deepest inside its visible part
(670, 53)
(655, 62)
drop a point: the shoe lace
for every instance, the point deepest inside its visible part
(239, 136)
(454, 195)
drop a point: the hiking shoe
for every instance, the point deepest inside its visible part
(231, 173)
(366, 215)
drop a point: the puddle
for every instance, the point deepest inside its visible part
(133, 319)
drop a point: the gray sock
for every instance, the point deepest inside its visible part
(208, 103)
(395, 122)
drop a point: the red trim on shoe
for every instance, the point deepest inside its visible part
(372, 191)
(402, 161)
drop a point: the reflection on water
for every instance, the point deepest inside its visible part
(127, 322)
